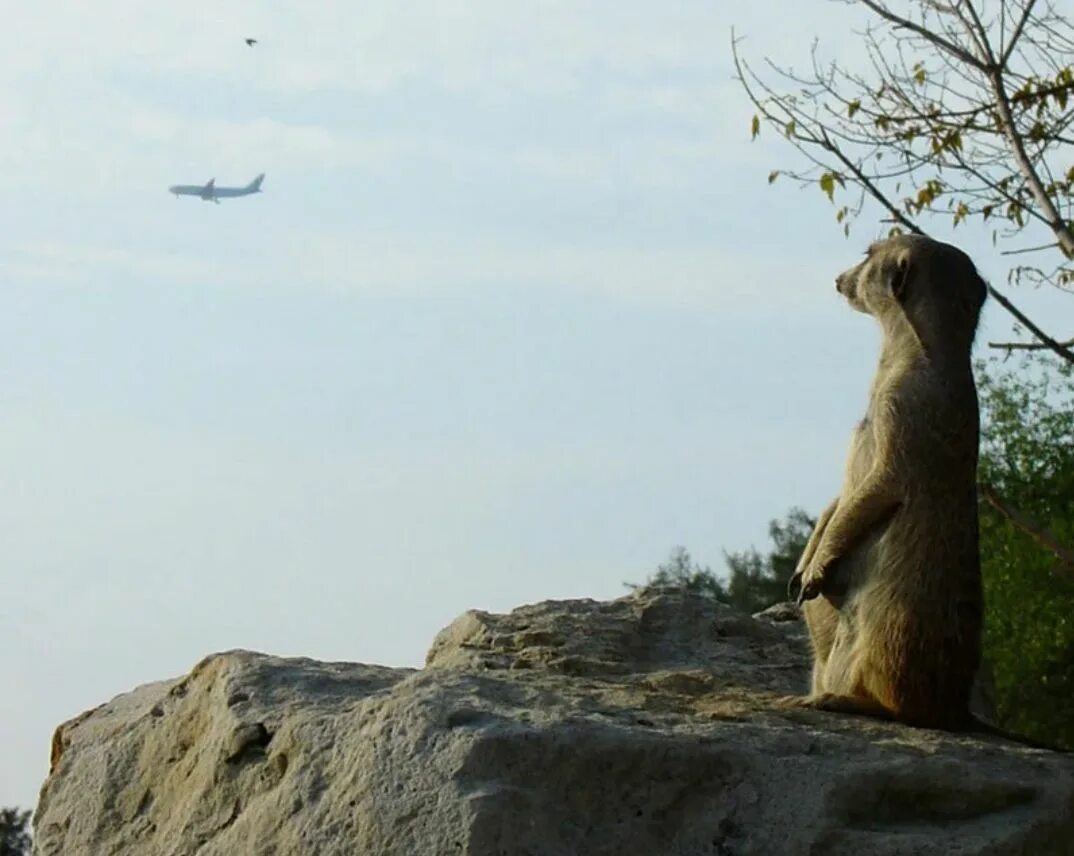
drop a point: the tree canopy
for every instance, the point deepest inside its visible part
(754, 580)
(1027, 482)
(962, 110)
(14, 832)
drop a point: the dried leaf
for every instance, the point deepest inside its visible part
(827, 184)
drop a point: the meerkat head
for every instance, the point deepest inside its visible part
(910, 278)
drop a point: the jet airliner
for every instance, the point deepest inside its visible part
(211, 193)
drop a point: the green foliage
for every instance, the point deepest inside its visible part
(682, 572)
(758, 580)
(14, 832)
(1027, 456)
(755, 581)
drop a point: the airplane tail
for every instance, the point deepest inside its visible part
(255, 185)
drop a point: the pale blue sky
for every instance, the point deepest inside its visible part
(516, 314)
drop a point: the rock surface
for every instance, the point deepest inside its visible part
(644, 725)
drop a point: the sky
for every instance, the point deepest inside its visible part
(516, 314)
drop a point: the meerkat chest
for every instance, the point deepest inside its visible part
(862, 449)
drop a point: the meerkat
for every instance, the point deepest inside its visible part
(890, 580)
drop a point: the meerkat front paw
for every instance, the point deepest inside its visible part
(807, 583)
(794, 586)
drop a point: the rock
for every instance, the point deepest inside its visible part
(644, 725)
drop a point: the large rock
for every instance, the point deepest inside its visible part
(640, 726)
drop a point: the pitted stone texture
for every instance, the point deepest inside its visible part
(642, 726)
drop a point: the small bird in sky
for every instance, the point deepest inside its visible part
(251, 42)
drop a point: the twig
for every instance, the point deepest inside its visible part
(1050, 343)
(1016, 34)
(928, 35)
(1021, 158)
(869, 186)
(1052, 246)
(1028, 346)
(821, 139)
(1022, 521)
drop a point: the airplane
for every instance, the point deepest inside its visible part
(211, 193)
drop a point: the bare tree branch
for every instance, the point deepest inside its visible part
(874, 191)
(1049, 246)
(1028, 346)
(1003, 60)
(978, 129)
(1046, 340)
(1003, 109)
(928, 35)
(1033, 529)
(976, 31)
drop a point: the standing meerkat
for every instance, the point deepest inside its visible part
(890, 580)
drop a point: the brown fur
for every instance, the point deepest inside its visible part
(890, 578)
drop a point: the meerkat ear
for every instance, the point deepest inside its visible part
(901, 274)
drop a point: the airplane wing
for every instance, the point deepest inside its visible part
(208, 192)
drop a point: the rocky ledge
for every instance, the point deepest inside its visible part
(643, 725)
